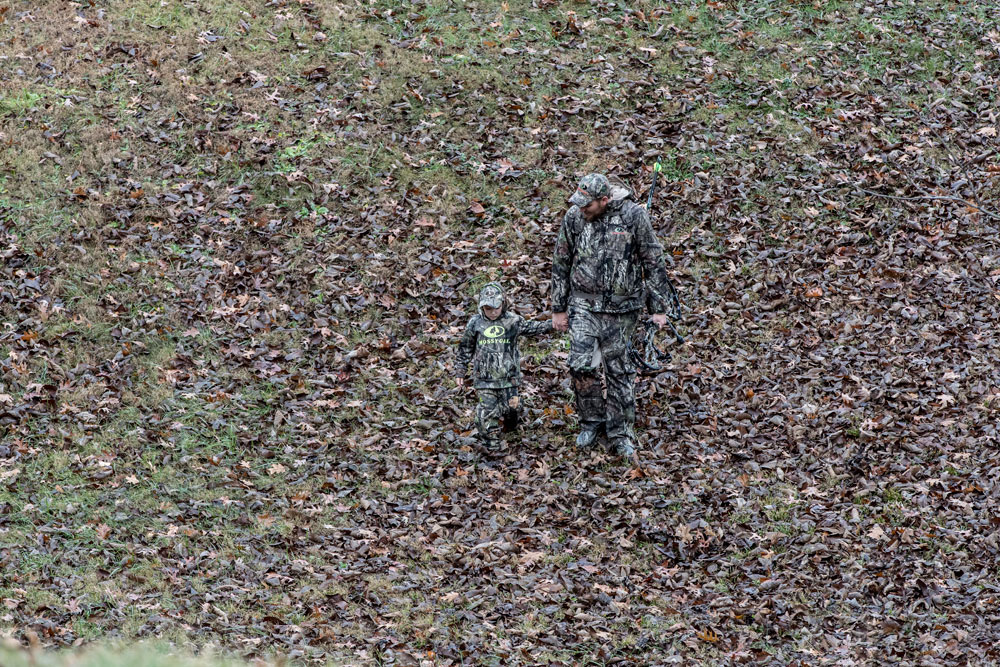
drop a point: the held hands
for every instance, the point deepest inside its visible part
(560, 321)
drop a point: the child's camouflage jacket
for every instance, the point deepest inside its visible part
(490, 346)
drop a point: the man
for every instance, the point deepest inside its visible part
(607, 265)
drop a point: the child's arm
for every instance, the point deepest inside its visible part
(535, 328)
(466, 350)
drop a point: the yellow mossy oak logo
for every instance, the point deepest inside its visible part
(494, 331)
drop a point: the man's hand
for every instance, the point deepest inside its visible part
(660, 320)
(560, 321)
(460, 382)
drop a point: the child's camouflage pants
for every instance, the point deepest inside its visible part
(496, 407)
(601, 340)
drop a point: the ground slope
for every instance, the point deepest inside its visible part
(240, 240)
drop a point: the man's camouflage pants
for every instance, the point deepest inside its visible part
(493, 411)
(600, 340)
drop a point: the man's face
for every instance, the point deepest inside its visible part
(491, 313)
(595, 208)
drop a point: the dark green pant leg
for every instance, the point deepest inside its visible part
(620, 376)
(512, 415)
(488, 413)
(584, 366)
(493, 408)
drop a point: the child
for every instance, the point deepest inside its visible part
(490, 343)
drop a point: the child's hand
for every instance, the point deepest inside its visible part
(514, 402)
(460, 382)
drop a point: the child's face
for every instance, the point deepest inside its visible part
(491, 313)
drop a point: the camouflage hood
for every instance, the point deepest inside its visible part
(620, 193)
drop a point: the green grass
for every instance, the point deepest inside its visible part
(153, 655)
(19, 103)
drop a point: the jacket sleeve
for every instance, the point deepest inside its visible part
(466, 349)
(654, 268)
(534, 327)
(562, 262)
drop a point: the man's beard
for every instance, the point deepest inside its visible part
(594, 216)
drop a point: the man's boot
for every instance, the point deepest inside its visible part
(491, 445)
(624, 448)
(588, 434)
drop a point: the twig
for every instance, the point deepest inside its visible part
(954, 159)
(959, 200)
(991, 214)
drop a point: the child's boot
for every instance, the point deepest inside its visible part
(511, 420)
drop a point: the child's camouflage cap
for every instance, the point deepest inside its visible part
(491, 296)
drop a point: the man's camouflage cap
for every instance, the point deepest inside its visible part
(592, 186)
(491, 296)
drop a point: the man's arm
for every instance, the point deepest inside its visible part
(654, 267)
(562, 263)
